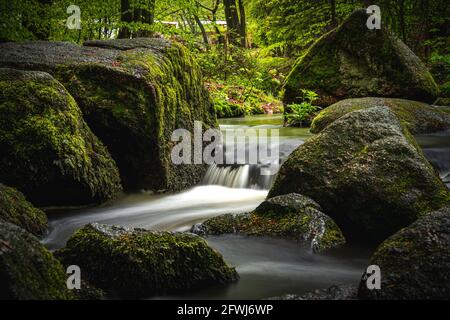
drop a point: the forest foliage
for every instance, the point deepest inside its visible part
(246, 61)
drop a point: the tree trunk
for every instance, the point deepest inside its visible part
(232, 18)
(125, 16)
(243, 24)
(333, 13)
(202, 29)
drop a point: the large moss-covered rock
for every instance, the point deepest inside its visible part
(47, 150)
(417, 117)
(415, 262)
(290, 216)
(14, 208)
(353, 61)
(28, 271)
(367, 173)
(140, 263)
(133, 94)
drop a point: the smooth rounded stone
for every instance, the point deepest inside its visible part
(48, 151)
(353, 61)
(367, 173)
(14, 208)
(133, 93)
(287, 203)
(291, 216)
(341, 292)
(417, 117)
(137, 263)
(28, 271)
(414, 262)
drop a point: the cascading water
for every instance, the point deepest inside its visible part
(258, 175)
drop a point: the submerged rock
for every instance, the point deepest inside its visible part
(414, 262)
(290, 216)
(367, 173)
(417, 117)
(353, 61)
(341, 292)
(48, 151)
(139, 263)
(28, 271)
(133, 93)
(14, 208)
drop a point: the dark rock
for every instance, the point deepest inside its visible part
(291, 216)
(414, 262)
(417, 117)
(353, 61)
(14, 208)
(342, 292)
(367, 173)
(133, 94)
(48, 151)
(134, 263)
(28, 271)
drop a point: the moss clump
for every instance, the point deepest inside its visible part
(353, 61)
(367, 173)
(289, 216)
(48, 151)
(415, 261)
(415, 116)
(14, 208)
(28, 271)
(140, 263)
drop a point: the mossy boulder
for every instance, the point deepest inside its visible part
(415, 262)
(291, 216)
(134, 263)
(14, 208)
(28, 271)
(48, 151)
(417, 117)
(353, 61)
(133, 93)
(367, 173)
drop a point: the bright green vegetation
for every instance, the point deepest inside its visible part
(291, 216)
(48, 151)
(139, 263)
(414, 261)
(14, 208)
(302, 114)
(28, 271)
(367, 173)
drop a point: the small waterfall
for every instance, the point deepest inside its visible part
(238, 176)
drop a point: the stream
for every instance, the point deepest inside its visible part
(267, 267)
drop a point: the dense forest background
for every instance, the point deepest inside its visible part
(246, 61)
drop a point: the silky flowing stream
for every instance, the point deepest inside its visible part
(267, 267)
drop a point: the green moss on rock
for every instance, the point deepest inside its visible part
(417, 117)
(14, 208)
(367, 173)
(28, 271)
(353, 61)
(140, 263)
(415, 262)
(291, 216)
(48, 151)
(133, 93)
